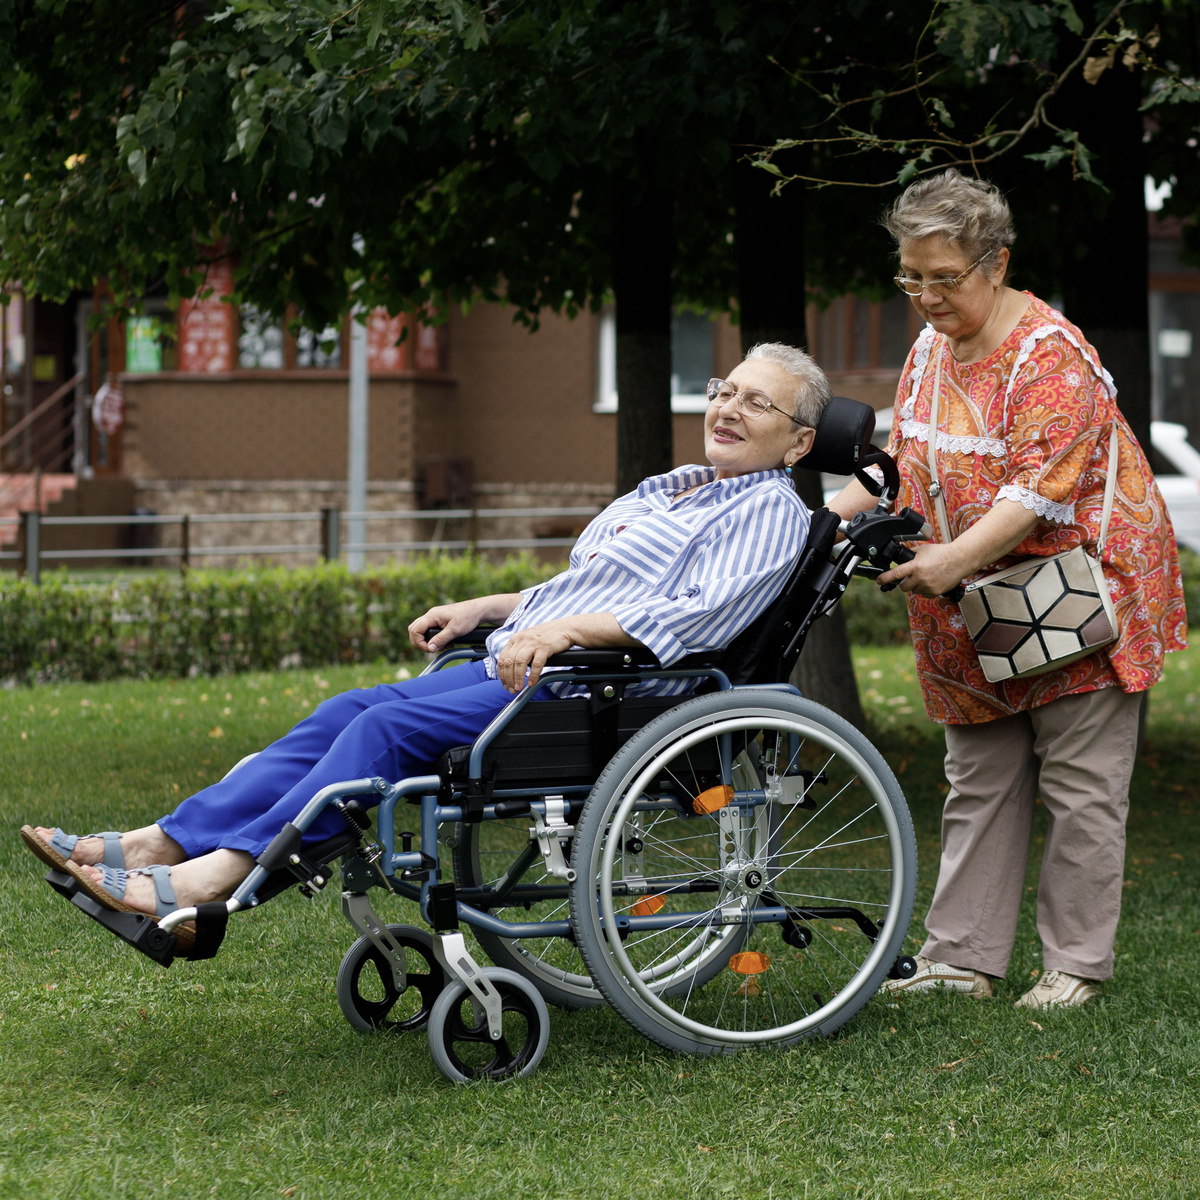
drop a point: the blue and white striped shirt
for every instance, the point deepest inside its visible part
(680, 576)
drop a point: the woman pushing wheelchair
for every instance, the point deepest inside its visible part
(679, 566)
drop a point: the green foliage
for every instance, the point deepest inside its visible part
(225, 622)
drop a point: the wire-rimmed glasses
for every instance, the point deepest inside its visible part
(939, 287)
(750, 401)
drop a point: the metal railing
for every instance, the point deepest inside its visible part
(30, 553)
(42, 450)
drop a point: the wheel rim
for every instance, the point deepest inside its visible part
(372, 991)
(468, 1045)
(799, 855)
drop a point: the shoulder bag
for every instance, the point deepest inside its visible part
(1044, 612)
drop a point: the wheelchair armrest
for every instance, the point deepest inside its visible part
(476, 637)
(633, 657)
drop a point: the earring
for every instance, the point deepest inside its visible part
(788, 470)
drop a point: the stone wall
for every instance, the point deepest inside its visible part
(233, 497)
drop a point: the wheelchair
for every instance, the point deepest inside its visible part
(728, 869)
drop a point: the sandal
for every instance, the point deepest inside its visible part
(56, 853)
(110, 892)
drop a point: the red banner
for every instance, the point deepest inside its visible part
(206, 326)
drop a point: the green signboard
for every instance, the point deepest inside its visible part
(143, 344)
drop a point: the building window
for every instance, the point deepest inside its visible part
(857, 335)
(260, 341)
(691, 362)
(319, 350)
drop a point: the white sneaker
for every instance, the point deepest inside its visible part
(1057, 989)
(931, 975)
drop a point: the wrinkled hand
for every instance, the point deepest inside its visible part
(528, 650)
(935, 569)
(452, 621)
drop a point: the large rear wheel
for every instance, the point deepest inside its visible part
(751, 814)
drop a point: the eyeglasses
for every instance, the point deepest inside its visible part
(750, 403)
(939, 287)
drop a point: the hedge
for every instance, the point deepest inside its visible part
(223, 622)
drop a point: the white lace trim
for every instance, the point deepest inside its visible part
(1062, 514)
(948, 444)
(1029, 343)
(920, 362)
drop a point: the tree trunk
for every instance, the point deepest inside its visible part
(643, 250)
(770, 255)
(1105, 247)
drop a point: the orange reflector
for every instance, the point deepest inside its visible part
(749, 962)
(647, 906)
(712, 798)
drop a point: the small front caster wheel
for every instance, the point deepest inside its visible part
(905, 967)
(458, 1030)
(366, 986)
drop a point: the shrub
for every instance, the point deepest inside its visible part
(221, 622)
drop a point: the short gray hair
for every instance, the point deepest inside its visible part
(969, 213)
(813, 392)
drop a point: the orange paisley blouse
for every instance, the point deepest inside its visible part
(1031, 423)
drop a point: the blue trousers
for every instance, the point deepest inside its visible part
(394, 730)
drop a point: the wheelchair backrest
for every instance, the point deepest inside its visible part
(766, 651)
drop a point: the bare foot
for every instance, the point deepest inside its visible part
(212, 876)
(143, 847)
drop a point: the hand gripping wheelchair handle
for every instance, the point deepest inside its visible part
(900, 553)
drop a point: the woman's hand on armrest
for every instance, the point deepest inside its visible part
(453, 620)
(528, 650)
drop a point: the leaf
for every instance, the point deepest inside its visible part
(1093, 68)
(940, 108)
(1050, 157)
(137, 164)
(907, 173)
(376, 27)
(767, 165)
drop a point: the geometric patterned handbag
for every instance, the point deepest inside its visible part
(1043, 612)
(1039, 615)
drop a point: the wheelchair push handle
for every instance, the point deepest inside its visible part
(879, 536)
(903, 554)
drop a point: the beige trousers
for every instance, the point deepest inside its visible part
(1077, 752)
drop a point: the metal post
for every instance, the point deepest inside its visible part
(185, 544)
(331, 534)
(356, 475)
(31, 540)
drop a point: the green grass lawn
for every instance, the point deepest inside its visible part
(239, 1077)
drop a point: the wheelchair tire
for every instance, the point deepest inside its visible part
(813, 859)
(483, 852)
(367, 993)
(458, 1031)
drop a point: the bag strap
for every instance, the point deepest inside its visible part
(1110, 488)
(935, 487)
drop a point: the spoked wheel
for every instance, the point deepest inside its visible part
(459, 1039)
(366, 987)
(503, 855)
(747, 811)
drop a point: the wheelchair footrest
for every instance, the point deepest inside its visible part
(139, 931)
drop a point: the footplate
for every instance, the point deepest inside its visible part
(139, 931)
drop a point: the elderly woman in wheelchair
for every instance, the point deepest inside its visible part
(634, 804)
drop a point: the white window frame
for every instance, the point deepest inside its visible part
(606, 391)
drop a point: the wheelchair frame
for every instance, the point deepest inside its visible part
(464, 1002)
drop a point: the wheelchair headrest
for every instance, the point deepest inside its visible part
(843, 437)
